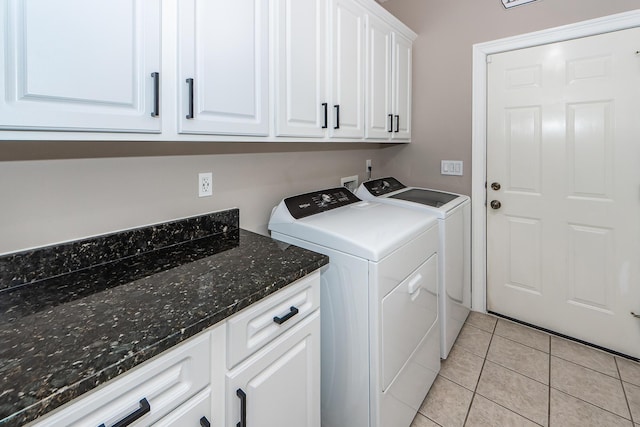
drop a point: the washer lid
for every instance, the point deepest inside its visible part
(368, 230)
(390, 190)
(433, 198)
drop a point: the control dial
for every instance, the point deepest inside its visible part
(324, 199)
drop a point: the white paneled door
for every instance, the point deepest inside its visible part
(563, 188)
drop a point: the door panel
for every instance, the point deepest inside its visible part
(224, 48)
(563, 247)
(347, 80)
(402, 81)
(79, 65)
(300, 31)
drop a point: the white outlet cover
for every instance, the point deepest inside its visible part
(350, 182)
(205, 184)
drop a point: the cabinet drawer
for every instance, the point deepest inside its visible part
(258, 325)
(190, 414)
(165, 382)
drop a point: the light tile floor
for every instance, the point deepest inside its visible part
(501, 373)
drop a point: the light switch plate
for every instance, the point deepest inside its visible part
(451, 167)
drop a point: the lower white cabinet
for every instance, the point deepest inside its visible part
(270, 377)
(279, 385)
(145, 394)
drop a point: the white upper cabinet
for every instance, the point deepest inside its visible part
(241, 70)
(300, 39)
(379, 102)
(80, 65)
(347, 70)
(388, 82)
(223, 67)
(402, 52)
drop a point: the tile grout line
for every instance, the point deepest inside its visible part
(484, 361)
(586, 401)
(549, 388)
(478, 381)
(624, 391)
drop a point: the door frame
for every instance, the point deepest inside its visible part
(620, 21)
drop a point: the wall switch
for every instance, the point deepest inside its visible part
(205, 184)
(350, 183)
(451, 167)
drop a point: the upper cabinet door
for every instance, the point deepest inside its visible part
(83, 65)
(223, 67)
(402, 51)
(300, 30)
(379, 109)
(347, 77)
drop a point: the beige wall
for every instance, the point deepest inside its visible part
(447, 29)
(58, 191)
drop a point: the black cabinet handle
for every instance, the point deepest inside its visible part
(292, 312)
(204, 422)
(156, 95)
(326, 112)
(337, 126)
(134, 416)
(190, 83)
(397, 124)
(390, 129)
(243, 408)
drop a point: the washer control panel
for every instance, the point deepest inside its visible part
(308, 204)
(381, 186)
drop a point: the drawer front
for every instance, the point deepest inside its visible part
(257, 325)
(164, 382)
(191, 413)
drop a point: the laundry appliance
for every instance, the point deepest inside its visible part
(454, 251)
(380, 342)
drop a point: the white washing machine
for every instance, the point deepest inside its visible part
(454, 218)
(380, 340)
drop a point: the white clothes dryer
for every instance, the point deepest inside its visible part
(454, 218)
(380, 342)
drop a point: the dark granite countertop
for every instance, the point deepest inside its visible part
(65, 335)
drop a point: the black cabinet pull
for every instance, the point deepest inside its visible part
(292, 312)
(204, 422)
(326, 118)
(390, 129)
(337, 126)
(190, 83)
(243, 408)
(134, 416)
(156, 95)
(397, 124)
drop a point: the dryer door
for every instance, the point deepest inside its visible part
(407, 313)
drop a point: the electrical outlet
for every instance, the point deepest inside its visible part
(350, 183)
(205, 184)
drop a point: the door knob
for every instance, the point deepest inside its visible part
(495, 186)
(495, 204)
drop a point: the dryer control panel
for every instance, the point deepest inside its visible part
(308, 204)
(381, 186)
